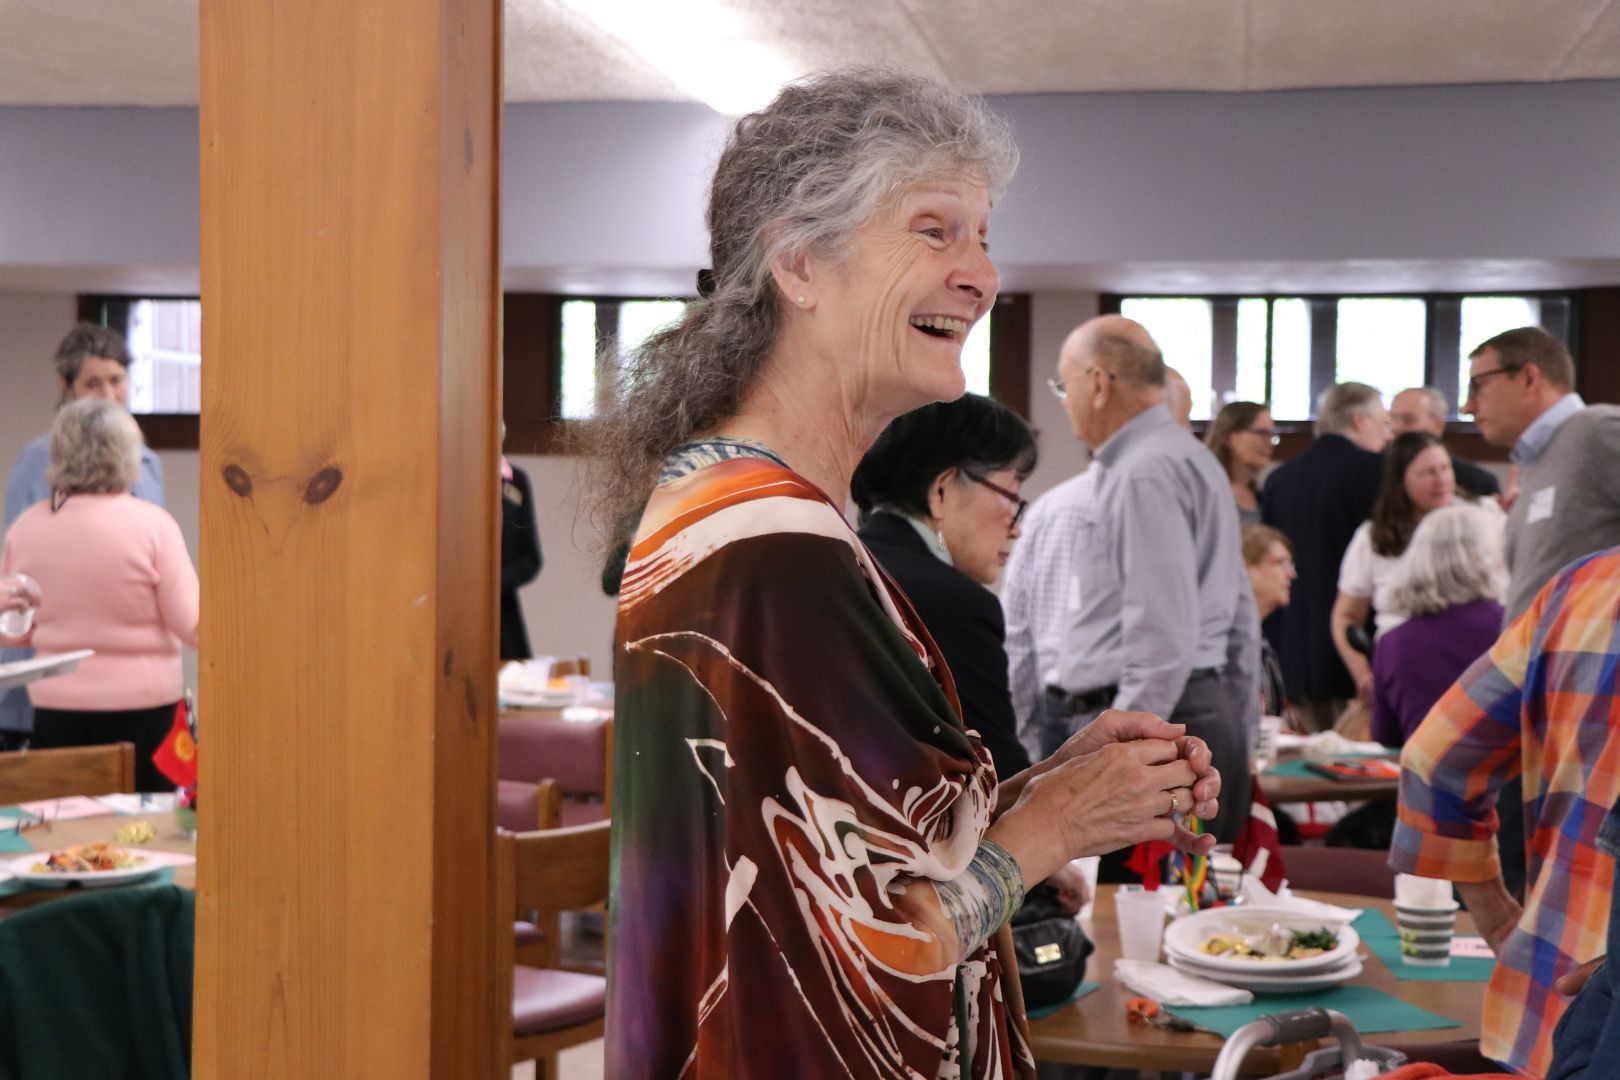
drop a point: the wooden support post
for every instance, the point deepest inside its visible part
(350, 271)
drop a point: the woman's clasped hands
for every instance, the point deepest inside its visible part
(1129, 777)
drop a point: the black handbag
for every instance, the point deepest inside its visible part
(1051, 948)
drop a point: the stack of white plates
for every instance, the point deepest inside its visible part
(1184, 940)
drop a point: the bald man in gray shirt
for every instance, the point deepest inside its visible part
(1166, 622)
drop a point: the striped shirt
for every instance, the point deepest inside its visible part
(1040, 594)
(1543, 702)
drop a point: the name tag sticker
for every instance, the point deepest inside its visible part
(1541, 505)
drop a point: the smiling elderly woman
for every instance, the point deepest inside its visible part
(811, 854)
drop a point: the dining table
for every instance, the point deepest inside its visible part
(1289, 780)
(55, 835)
(1095, 1030)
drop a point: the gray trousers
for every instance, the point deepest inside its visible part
(1215, 709)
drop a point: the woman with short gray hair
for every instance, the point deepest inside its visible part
(1450, 584)
(812, 850)
(95, 449)
(115, 578)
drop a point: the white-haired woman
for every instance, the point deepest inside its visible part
(1450, 585)
(115, 577)
(811, 851)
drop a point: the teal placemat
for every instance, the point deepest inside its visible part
(1384, 940)
(1370, 1010)
(10, 841)
(1047, 1010)
(1297, 769)
(165, 876)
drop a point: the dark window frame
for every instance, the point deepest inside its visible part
(532, 359)
(1443, 312)
(162, 431)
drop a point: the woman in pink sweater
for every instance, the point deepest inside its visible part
(114, 577)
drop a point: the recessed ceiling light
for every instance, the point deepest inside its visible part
(705, 47)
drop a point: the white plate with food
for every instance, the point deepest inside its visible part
(1271, 940)
(1263, 982)
(86, 865)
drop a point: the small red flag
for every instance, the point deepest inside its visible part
(1147, 859)
(176, 758)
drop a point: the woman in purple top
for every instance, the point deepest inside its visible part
(1450, 582)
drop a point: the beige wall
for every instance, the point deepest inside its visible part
(565, 607)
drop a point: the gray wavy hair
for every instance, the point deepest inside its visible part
(801, 176)
(1336, 411)
(1455, 557)
(95, 447)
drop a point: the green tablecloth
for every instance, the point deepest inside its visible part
(1370, 1010)
(1296, 768)
(1079, 992)
(165, 876)
(1384, 940)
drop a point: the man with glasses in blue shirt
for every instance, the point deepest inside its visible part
(1521, 393)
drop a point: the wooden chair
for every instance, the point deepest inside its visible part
(29, 775)
(553, 1005)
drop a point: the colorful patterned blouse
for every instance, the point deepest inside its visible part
(790, 777)
(1543, 701)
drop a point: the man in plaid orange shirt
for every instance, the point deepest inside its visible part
(1544, 704)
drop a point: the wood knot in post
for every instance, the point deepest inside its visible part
(322, 485)
(449, 661)
(237, 479)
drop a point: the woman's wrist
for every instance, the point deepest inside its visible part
(984, 896)
(1029, 843)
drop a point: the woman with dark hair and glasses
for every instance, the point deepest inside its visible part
(1417, 479)
(1241, 437)
(939, 502)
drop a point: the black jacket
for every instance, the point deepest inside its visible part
(1318, 500)
(964, 619)
(520, 561)
(1473, 479)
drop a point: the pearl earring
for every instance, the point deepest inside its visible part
(800, 300)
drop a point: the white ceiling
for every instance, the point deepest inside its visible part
(144, 52)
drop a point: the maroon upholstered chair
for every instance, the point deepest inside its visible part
(1359, 871)
(541, 745)
(553, 1006)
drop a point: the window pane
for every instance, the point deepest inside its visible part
(166, 375)
(1291, 360)
(578, 359)
(976, 356)
(1251, 350)
(1182, 328)
(1381, 342)
(1483, 317)
(641, 319)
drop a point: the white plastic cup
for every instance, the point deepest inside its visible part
(1265, 744)
(1141, 917)
(16, 623)
(1226, 870)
